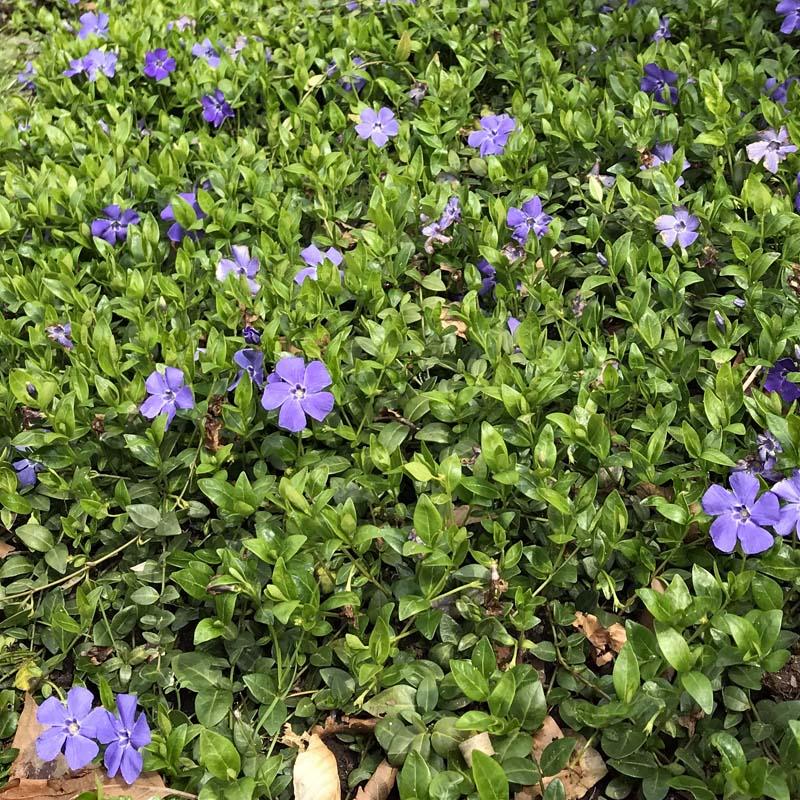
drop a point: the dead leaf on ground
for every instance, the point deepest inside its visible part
(380, 785)
(607, 641)
(5, 549)
(480, 741)
(585, 768)
(353, 725)
(450, 322)
(30, 778)
(315, 775)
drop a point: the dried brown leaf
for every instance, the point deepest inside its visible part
(607, 641)
(380, 785)
(316, 775)
(351, 725)
(5, 549)
(480, 741)
(450, 322)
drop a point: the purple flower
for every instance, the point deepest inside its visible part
(238, 45)
(176, 232)
(72, 728)
(779, 92)
(297, 390)
(125, 734)
(241, 266)
(417, 92)
(207, 51)
(680, 226)
(251, 335)
(790, 11)
(93, 25)
(313, 256)
(513, 323)
(158, 64)
(434, 230)
(789, 490)
(772, 146)
(662, 31)
(26, 470)
(492, 137)
(378, 125)
(489, 275)
(166, 394)
(663, 154)
(348, 82)
(529, 218)
(777, 381)
(60, 333)
(25, 78)
(661, 83)
(92, 64)
(114, 226)
(216, 108)
(249, 361)
(181, 24)
(739, 516)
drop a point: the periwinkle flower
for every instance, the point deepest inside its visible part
(124, 734)
(26, 470)
(26, 76)
(239, 44)
(377, 126)
(181, 24)
(779, 92)
(297, 390)
(767, 449)
(772, 147)
(740, 516)
(93, 64)
(790, 11)
(113, 227)
(679, 226)
(789, 490)
(417, 92)
(313, 256)
(491, 139)
(60, 333)
(531, 217)
(349, 82)
(251, 335)
(176, 231)
(216, 108)
(93, 25)
(250, 363)
(158, 64)
(167, 393)
(662, 31)
(434, 230)
(488, 277)
(242, 265)
(777, 380)
(206, 51)
(513, 323)
(661, 83)
(663, 154)
(71, 728)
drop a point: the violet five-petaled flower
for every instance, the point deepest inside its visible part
(493, 135)
(242, 265)
(531, 217)
(124, 734)
(679, 226)
(60, 333)
(158, 64)
(26, 470)
(789, 490)
(662, 31)
(740, 516)
(378, 126)
(772, 147)
(777, 380)
(167, 393)
(93, 25)
(663, 154)
(176, 231)
(216, 109)
(72, 728)
(93, 64)
(779, 92)
(790, 11)
(251, 362)
(313, 256)
(207, 51)
(297, 390)
(434, 229)
(251, 335)
(513, 323)
(661, 83)
(113, 227)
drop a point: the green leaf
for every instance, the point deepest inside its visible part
(219, 756)
(470, 680)
(398, 699)
(35, 537)
(490, 780)
(529, 706)
(698, 686)
(415, 777)
(212, 706)
(427, 520)
(144, 516)
(674, 648)
(556, 755)
(626, 674)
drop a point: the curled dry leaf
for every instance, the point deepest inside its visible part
(480, 741)
(380, 785)
(315, 775)
(5, 549)
(352, 725)
(451, 322)
(607, 641)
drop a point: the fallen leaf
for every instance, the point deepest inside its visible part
(548, 733)
(315, 775)
(352, 725)
(450, 322)
(607, 641)
(481, 742)
(5, 549)
(380, 785)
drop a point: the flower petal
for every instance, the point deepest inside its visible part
(79, 702)
(51, 712)
(131, 765)
(112, 758)
(318, 405)
(105, 726)
(174, 378)
(140, 733)
(80, 751)
(126, 705)
(275, 395)
(766, 510)
(184, 398)
(745, 486)
(292, 417)
(717, 500)
(152, 406)
(50, 743)
(316, 377)
(292, 369)
(723, 533)
(754, 539)
(155, 383)
(789, 488)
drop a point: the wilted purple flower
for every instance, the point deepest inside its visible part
(313, 256)
(417, 92)
(513, 323)
(60, 333)
(680, 226)
(238, 45)
(166, 394)
(513, 252)
(181, 24)
(607, 180)
(779, 92)
(378, 125)
(176, 232)
(772, 146)
(491, 139)
(93, 25)
(578, 306)
(207, 51)
(125, 735)
(241, 266)
(158, 64)
(661, 83)
(71, 728)
(768, 448)
(739, 302)
(26, 469)
(719, 321)
(349, 82)
(778, 382)
(297, 390)
(103, 125)
(663, 154)
(740, 516)
(114, 226)
(601, 259)
(489, 277)
(790, 11)
(216, 108)
(251, 362)
(789, 490)
(529, 218)
(26, 76)
(434, 230)
(92, 64)
(662, 31)
(251, 335)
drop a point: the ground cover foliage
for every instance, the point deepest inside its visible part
(522, 377)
